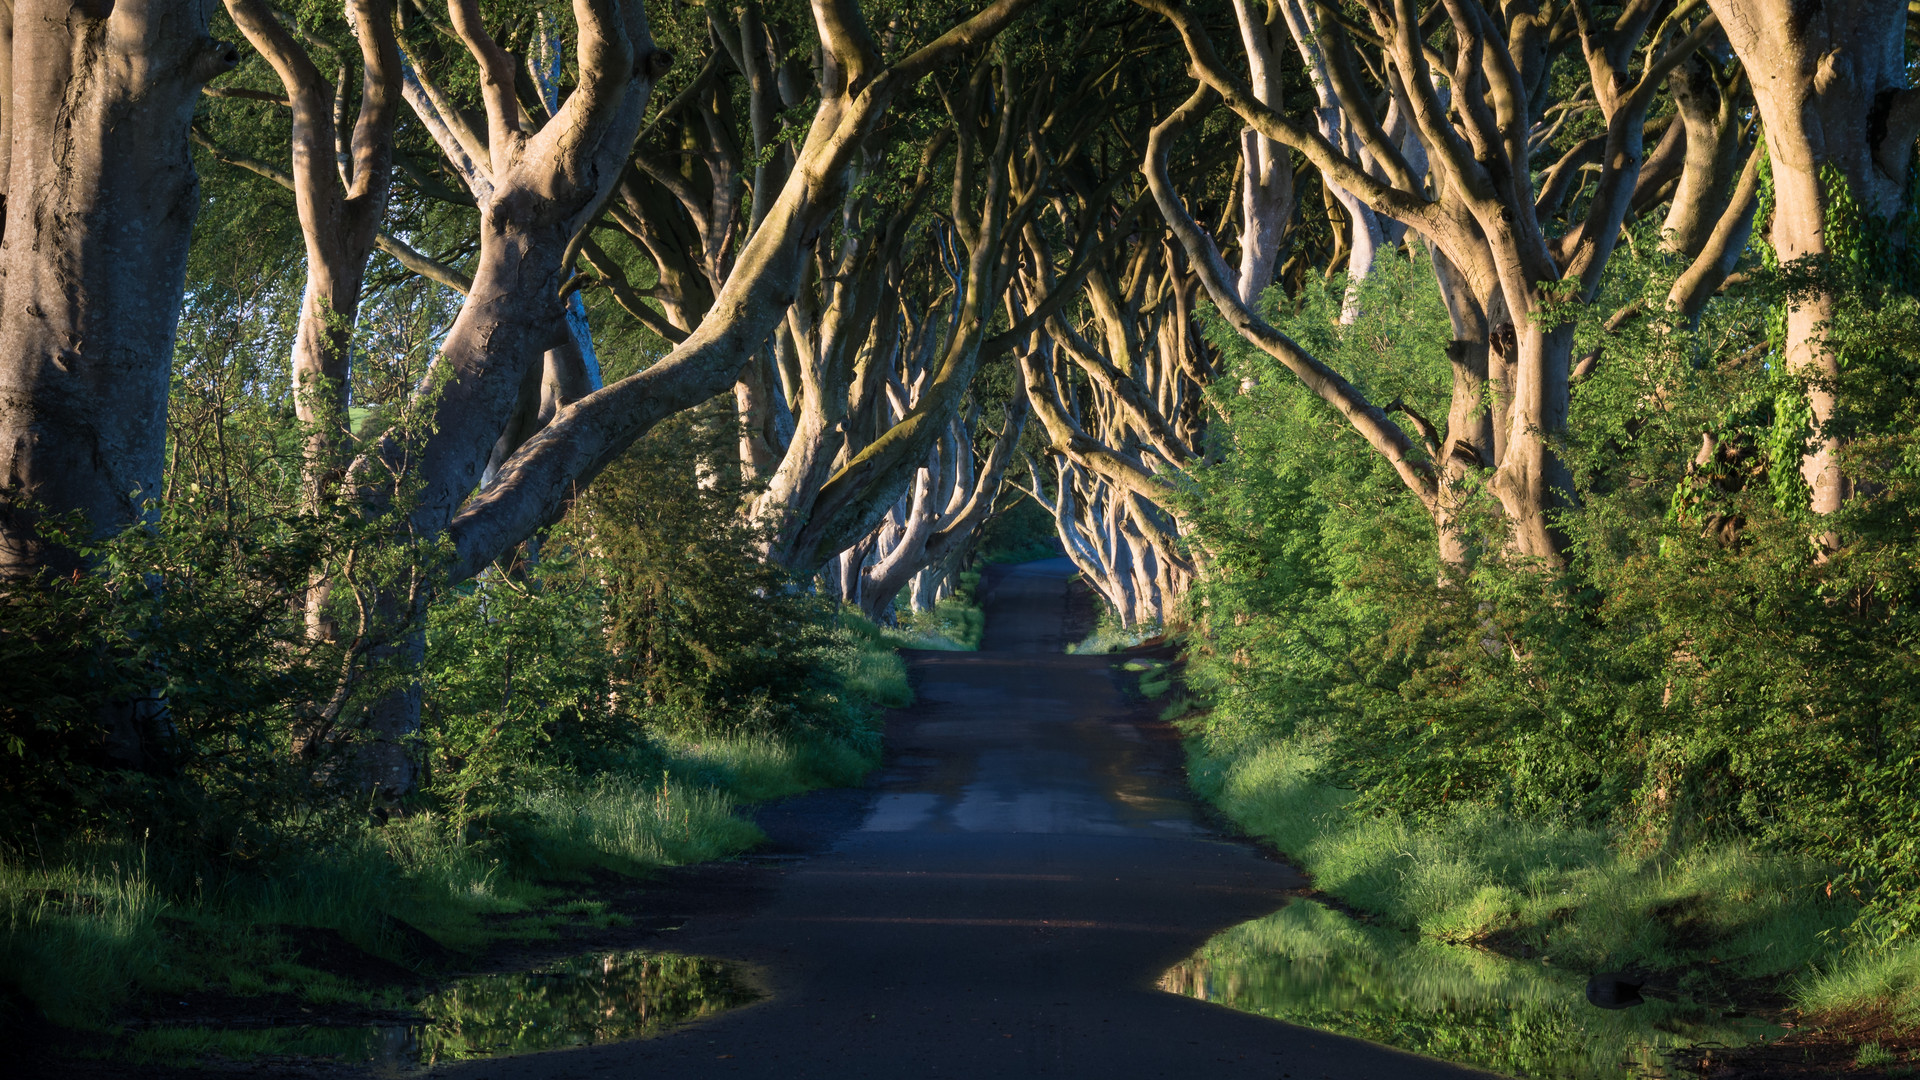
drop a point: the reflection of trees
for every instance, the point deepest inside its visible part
(574, 1003)
(1307, 965)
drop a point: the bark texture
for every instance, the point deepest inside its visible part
(100, 197)
(1830, 81)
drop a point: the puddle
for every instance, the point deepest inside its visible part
(601, 998)
(1309, 965)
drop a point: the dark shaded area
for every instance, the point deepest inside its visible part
(324, 949)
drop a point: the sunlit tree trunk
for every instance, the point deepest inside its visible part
(1830, 81)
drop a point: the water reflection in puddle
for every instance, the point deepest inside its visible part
(578, 1002)
(1312, 966)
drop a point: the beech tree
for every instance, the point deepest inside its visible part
(1500, 271)
(99, 194)
(842, 230)
(538, 191)
(1830, 83)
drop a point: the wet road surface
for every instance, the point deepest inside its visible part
(1000, 903)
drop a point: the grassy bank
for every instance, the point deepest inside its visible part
(1108, 636)
(90, 928)
(1716, 919)
(953, 624)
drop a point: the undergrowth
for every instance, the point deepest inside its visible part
(1109, 636)
(91, 926)
(1568, 895)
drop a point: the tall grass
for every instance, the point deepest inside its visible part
(641, 822)
(75, 933)
(85, 931)
(1884, 981)
(1570, 894)
(92, 925)
(955, 624)
(755, 768)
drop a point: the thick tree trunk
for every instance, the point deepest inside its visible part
(100, 201)
(1712, 157)
(1830, 82)
(1468, 443)
(1532, 481)
(1266, 168)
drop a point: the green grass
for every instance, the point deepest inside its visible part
(758, 768)
(1872, 1056)
(87, 927)
(1308, 964)
(1884, 981)
(954, 625)
(1569, 895)
(92, 928)
(77, 931)
(642, 823)
(1109, 636)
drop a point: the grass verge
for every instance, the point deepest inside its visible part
(90, 928)
(1714, 913)
(1716, 921)
(1108, 636)
(1721, 918)
(954, 624)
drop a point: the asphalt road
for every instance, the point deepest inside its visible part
(1000, 904)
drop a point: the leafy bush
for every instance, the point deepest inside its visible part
(1714, 667)
(704, 635)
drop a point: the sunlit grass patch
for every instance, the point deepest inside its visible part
(756, 768)
(1108, 636)
(642, 822)
(75, 931)
(1569, 894)
(1885, 980)
(955, 624)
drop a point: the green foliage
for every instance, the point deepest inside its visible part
(953, 623)
(1475, 873)
(1108, 636)
(1021, 532)
(157, 693)
(609, 705)
(705, 636)
(1711, 674)
(1308, 964)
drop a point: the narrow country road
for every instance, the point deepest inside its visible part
(1002, 902)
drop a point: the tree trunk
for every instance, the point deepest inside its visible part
(99, 205)
(1469, 440)
(1532, 481)
(1712, 157)
(1830, 83)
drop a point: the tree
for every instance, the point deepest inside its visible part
(1831, 86)
(99, 199)
(1502, 274)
